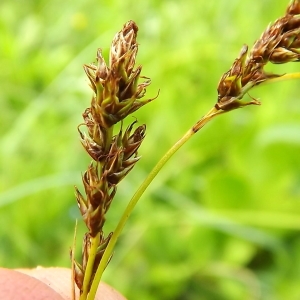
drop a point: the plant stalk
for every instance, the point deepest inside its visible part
(89, 268)
(284, 77)
(132, 203)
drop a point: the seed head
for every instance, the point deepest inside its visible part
(279, 43)
(117, 88)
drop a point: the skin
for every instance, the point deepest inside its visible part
(46, 284)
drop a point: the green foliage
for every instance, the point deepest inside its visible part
(221, 221)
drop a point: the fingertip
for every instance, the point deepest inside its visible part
(59, 279)
(15, 285)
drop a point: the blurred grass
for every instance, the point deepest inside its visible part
(221, 221)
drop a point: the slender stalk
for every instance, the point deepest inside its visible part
(132, 203)
(89, 268)
(109, 136)
(284, 77)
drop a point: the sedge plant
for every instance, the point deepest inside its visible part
(119, 90)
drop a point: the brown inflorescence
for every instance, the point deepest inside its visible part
(279, 43)
(117, 93)
(116, 85)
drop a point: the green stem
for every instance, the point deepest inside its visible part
(108, 138)
(283, 78)
(132, 203)
(89, 268)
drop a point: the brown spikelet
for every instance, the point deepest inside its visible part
(279, 43)
(117, 89)
(117, 92)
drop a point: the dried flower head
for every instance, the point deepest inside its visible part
(117, 90)
(117, 93)
(279, 43)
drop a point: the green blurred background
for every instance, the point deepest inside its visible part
(222, 220)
